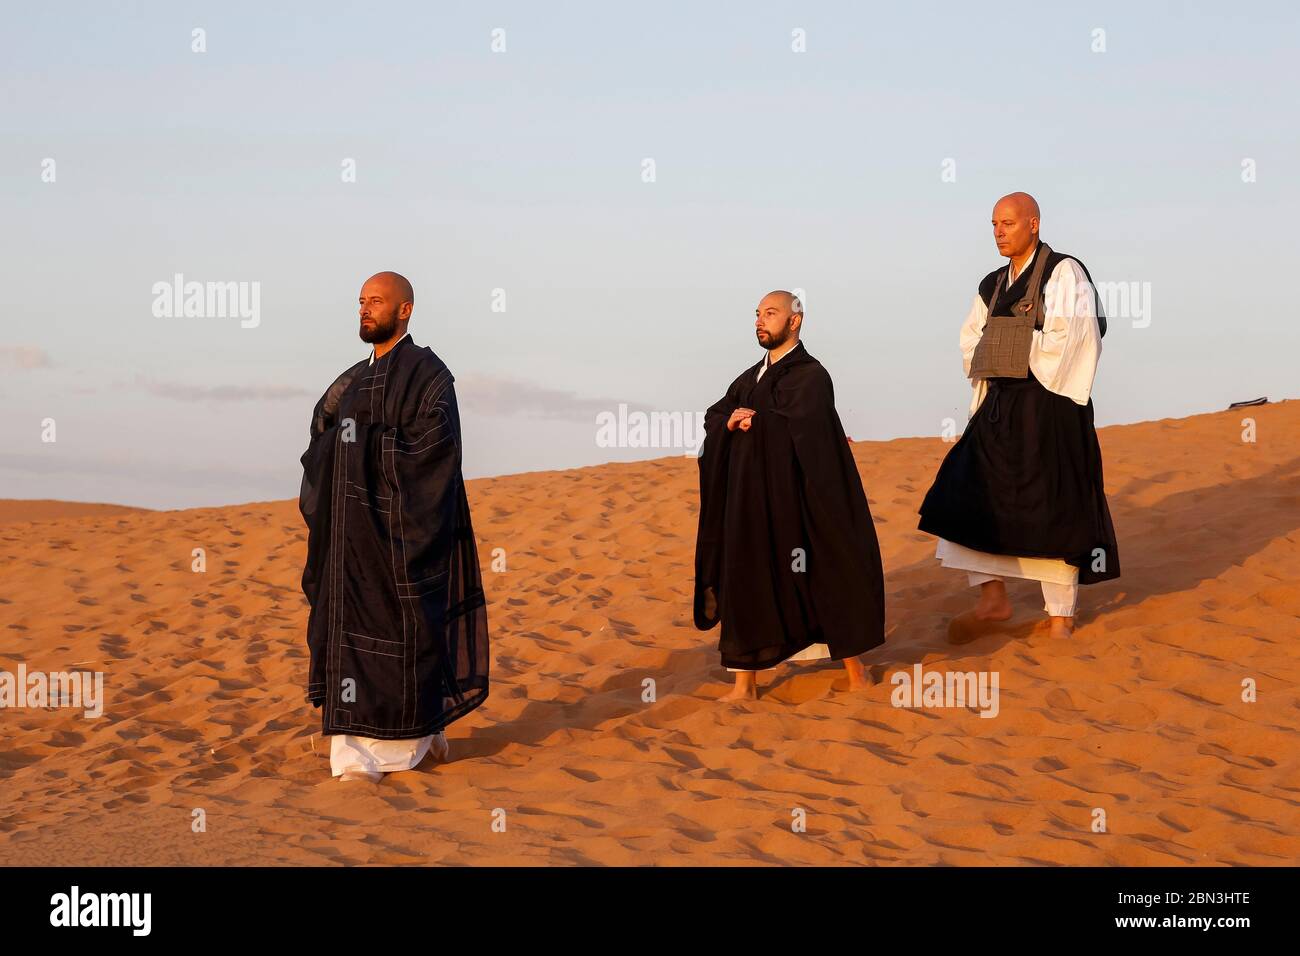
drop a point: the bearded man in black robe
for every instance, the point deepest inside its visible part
(786, 556)
(398, 624)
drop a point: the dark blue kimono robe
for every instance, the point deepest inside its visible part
(398, 625)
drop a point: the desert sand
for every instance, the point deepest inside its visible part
(1139, 715)
(35, 509)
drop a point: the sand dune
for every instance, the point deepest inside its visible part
(18, 512)
(1139, 715)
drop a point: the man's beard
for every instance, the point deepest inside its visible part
(384, 328)
(778, 339)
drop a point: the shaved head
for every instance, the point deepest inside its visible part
(1022, 204)
(1015, 225)
(787, 300)
(386, 302)
(396, 284)
(778, 319)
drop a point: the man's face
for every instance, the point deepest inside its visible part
(1015, 230)
(379, 312)
(773, 322)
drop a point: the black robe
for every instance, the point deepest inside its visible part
(392, 573)
(789, 482)
(1025, 478)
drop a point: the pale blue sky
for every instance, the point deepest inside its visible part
(522, 170)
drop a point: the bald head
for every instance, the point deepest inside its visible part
(785, 300)
(394, 284)
(1021, 204)
(386, 302)
(1015, 225)
(778, 319)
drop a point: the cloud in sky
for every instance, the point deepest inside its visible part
(490, 395)
(482, 394)
(184, 392)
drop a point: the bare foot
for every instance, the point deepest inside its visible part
(992, 608)
(857, 674)
(993, 605)
(746, 687)
(1062, 627)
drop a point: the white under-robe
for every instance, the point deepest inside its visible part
(348, 752)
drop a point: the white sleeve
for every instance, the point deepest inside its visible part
(1065, 352)
(971, 331)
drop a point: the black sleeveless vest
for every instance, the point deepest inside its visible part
(1010, 294)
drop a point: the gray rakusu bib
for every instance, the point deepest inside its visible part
(1004, 346)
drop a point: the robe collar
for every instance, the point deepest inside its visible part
(405, 336)
(792, 357)
(769, 361)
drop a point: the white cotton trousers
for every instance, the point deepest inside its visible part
(1060, 581)
(348, 752)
